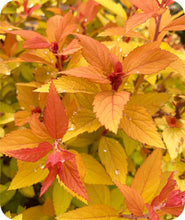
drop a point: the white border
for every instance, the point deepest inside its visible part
(2, 216)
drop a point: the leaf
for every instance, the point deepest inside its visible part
(55, 118)
(96, 212)
(174, 140)
(152, 213)
(141, 59)
(176, 25)
(95, 173)
(19, 139)
(71, 84)
(35, 212)
(88, 72)
(98, 194)
(84, 120)
(113, 7)
(28, 174)
(61, 199)
(147, 5)
(138, 124)
(147, 178)
(27, 34)
(152, 101)
(134, 201)
(6, 118)
(95, 53)
(108, 106)
(71, 179)
(113, 156)
(31, 154)
(36, 43)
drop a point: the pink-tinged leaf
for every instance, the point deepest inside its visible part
(170, 185)
(88, 72)
(27, 34)
(176, 211)
(49, 180)
(176, 25)
(71, 178)
(55, 118)
(147, 5)
(31, 154)
(134, 201)
(137, 19)
(71, 48)
(153, 215)
(36, 43)
(59, 27)
(95, 53)
(141, 59)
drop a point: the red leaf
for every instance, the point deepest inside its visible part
(31, 154)
(55, 118)
(71, 178)
(36, 43)
(152, 213)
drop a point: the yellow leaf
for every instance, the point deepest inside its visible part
(28, 174)
(84, 120)
(108, 106)
(71, 84)
(95, 173)
(174, 140)
(6, 118)
(117, 199)
(113, 156)
(180, 174)
(91, 212)
(147, 178)
(134, 201)
(34, 213)
(116, 8)
(28, 191)
(61, 199)
(152, 101)
(98, 194)
(138, 124)
(18, 139)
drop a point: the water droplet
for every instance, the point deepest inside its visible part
(126, 55)
(126, 84)
(124, 114)
(77, 30)
(22, 107)
(85, 19)
(120, 49)
(35, 170)
(129, 119)
(41, 166)
(104, 150)
(117, 172)
(137, 72)
(63, 160)
(47, 73)
(45, 52)
(31, 5)
(7, 73)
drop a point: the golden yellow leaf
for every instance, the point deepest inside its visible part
(174, 139)
(61, 199)
(147, 178)
(138, 124)
(134, 201)
(18, 139)
(108, 106)
(180, 174)
(29, 173)
(71, 84)
(113, 156)
(113, 7)
(151, 101)
(91, 212)
(95, 173)
(84, 120)
(34, 213)
(98, 194)
(117, 199)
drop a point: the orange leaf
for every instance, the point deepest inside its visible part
(36, 43)
(55, 118)
(134, 201)
(22, 117)
(31, 154)
(147, 59)
(71, 178)
(27, 34)
(147, 5)
(176, 25)
(108, 106)
(88, 72)
(147, 178)
(152, 213)
(95, 53)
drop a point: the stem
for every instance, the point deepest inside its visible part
(138, 83)
(157, 22)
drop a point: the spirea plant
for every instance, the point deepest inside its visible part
(92, 109)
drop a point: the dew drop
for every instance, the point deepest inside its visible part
(35, 170)
(41, 166)
(45, 52)
(129, 119)
(104, 150)
(77, 30)
(126, 55)
(47, 73)
(137, 72)
(120, 49)
(85, 19)
(117, 172)
(63, 160)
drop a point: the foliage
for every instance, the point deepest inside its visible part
(92, 110)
